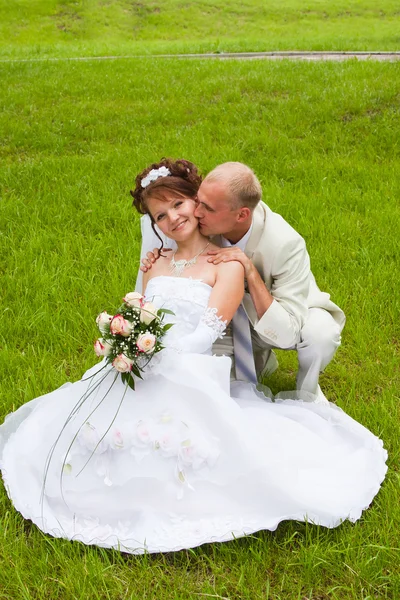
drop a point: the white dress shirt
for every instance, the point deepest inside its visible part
(240, 244)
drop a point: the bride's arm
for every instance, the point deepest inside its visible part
(228, 289)
(224, 300)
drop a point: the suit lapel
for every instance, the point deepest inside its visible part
(259, 217)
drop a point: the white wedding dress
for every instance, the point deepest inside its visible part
(183, 462)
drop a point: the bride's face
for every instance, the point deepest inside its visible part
(174, 215)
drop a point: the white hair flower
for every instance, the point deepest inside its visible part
(153, 175)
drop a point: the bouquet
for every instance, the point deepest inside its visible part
(130, 339)
(132, 336)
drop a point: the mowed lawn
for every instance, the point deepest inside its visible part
(41, 28)
(324, 140)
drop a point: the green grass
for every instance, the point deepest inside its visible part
(41, 28)
(324, 140)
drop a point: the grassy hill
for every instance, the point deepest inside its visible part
(41, 28)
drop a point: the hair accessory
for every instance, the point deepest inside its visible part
(153, 175)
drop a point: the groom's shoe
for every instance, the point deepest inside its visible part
(320, 397)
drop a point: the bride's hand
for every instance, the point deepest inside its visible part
(229, 254)
(147, 263)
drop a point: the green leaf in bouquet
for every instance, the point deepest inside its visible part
(131, 382)
(165, 311)
(128, 379)
(167, 326)
(135, 371)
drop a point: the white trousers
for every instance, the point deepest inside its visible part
(320, 338)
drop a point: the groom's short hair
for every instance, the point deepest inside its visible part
(242, 183)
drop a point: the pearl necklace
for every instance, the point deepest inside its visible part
(178, 266)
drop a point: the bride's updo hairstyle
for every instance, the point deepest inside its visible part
(161, 181)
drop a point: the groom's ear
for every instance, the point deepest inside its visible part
(244, 214)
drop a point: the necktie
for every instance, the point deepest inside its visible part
(242, 347)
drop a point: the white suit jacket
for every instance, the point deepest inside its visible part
(279, 253)
(280, 256)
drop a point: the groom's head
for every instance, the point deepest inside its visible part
(227, 198)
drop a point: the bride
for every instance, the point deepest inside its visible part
(184, 462)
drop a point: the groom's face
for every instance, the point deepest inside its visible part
(214, 209)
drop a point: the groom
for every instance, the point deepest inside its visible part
(283, 303)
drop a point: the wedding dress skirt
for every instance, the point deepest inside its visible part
(184, 460)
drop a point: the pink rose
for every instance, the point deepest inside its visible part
(102, 347)
(117, 439)
(120, 326)
(143, 432)
(146, 342)
(103, 321)
(133, 299)
(148, 313)
(122, 363)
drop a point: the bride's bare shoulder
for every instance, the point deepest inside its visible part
(230, 270)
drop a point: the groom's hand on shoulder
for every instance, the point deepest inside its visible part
(151, 257)
(229, 254)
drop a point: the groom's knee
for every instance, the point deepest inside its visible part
(320, 337)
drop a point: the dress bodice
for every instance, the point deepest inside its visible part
(187, 298)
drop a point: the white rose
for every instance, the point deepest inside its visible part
(122, 363)
(89, 438)
(148, 313)
(146, 342)
(133, 299)
(102, 347)
(103, 320)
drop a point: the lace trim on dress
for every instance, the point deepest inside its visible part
(212, 320)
